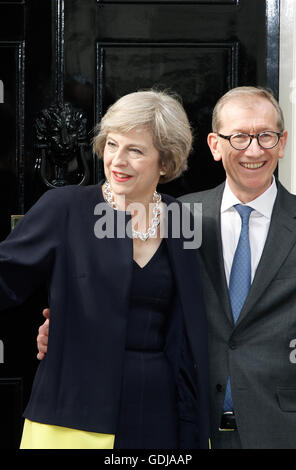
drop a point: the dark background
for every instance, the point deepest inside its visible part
(89, 53)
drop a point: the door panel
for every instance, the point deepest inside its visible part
(151, 44)
(89, 53)
(146, 63)
(11, 113)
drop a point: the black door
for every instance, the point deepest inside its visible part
(88, 53)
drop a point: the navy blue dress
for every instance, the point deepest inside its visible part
(148, 412)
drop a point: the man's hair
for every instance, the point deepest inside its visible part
(240, 92)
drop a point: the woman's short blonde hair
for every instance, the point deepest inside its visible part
(240, 92)
(161, 113)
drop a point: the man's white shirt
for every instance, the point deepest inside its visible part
(258, 225)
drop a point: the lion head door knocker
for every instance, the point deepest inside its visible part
(61, 141)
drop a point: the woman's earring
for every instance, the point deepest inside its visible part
(162, 172)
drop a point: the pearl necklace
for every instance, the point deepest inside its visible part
(143, 236)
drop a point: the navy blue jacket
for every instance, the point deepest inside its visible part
(78, 384)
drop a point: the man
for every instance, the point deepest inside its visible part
(253, 380)
(252, 350)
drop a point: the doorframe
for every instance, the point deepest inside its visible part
(287, 91)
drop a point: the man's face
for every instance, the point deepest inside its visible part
(249, 172)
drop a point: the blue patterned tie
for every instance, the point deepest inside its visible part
(240, 279)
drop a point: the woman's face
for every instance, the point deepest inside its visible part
(131, 164)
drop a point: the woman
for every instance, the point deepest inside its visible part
(127, 323)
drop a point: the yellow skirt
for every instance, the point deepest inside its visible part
(47, 436)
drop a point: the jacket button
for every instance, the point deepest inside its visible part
(232, 344)
(219, 388)
(195, 365)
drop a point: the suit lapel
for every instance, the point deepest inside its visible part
(211, 249)
(280, 240)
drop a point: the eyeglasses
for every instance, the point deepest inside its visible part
(241, 140)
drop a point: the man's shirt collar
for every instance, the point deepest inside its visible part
(263, 204)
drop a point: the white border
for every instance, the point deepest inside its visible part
(287, 91)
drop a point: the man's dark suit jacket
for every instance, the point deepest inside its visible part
(78, 384)
(256, 351)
